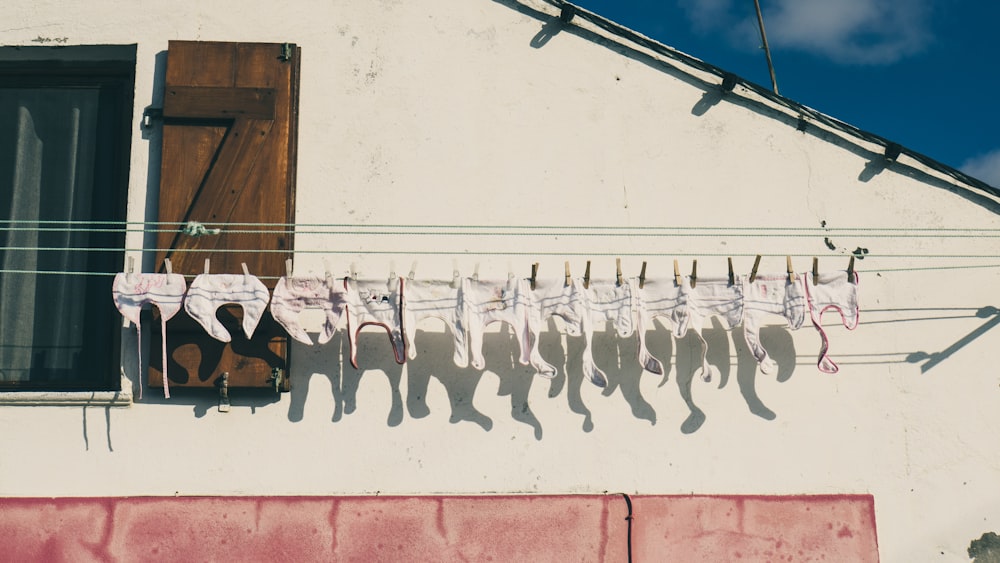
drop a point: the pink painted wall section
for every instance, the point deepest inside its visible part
(442, 528)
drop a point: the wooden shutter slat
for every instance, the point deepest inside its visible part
(218, 103)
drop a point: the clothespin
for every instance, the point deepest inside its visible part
(753, 271)
(128, 275)
(586, 276)
(694, 273)
(454, 273)
(850, 270)
(392, 270)
(789, 269)
(677, 274)
(534, 274)
(732, 276)
(246, 271)
(618, 271)
(815, 270)
(353, 274)
(642, 276)
(567, 274)
(475, 272)
(208, 263)
(326, 271)
(413, 270)
(169, 268)
(288, 268)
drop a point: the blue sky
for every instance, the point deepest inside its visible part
(922, 73)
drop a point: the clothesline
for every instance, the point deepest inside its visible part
(491, 230)
(868, 255)
(192, 275)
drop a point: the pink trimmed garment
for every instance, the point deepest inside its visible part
(834, 292)
(166, 291)
(376, 303)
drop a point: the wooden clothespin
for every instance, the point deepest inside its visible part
(353, 274)
(753, 271)
(208, 263)
(586, 276)
(850, 270)
(475, 272)
(642, 276)
(618, 271)
(534, 274)
(694, 273)
(326, 271)
(392, 271)
(567, 274)
(677, 274)
(246, 271)
(455, 276)
(413, 271)
(288, 268)
(131, 264)
(169, 268)
(789, 269)
(732, 276)
(815, 270)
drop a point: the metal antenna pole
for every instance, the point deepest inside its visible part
(767, 50)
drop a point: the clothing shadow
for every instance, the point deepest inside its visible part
(460, 383)
(327, 355)
(617, 357)
(375, 353)
(779, 345)
(502, 351)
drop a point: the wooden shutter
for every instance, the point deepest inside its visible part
(229, 142)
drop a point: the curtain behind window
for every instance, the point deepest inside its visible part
(47, 162)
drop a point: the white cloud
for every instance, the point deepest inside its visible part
(845, 31)
(984, 167)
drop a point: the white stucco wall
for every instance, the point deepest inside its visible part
(444, 113)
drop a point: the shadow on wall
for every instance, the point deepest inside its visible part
(616, 356)
(857, 142)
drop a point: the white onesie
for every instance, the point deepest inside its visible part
(437, 299)
(208, 292)
(833, 292)
(713, 298)
(552, 298)
(376, 303)
(166, 291)
(661, 299)
(292, 295)
(771, 295)
(605, 301)
(487, 302)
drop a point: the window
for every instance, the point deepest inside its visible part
(65, 134)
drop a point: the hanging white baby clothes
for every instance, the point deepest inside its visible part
(659, 299)
(835, 292)
(767, 296)
(552, 298)
(208, 292)
(713, 298)
(435, 299)
(605, 301)
(166, 291)
(377, 303)
(487, 302)
(292, 295)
